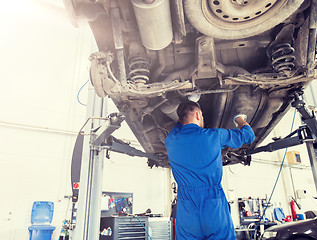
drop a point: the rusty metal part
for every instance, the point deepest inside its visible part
(206, 58)
(178, 20)
(262, 42)
(118, 43)
(139, 70)
(311, 50)
(161, 64)
(231, 70)
(283, 58)
(156, 89)
(98, 75)
(220, 90)
(169, 108)
(267, 79)
(101, 75)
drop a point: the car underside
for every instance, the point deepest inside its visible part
(232, 56)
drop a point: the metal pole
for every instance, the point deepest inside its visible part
(88, 211)
(95, 197)
(312, 158)
(96, 182)
(81, 216)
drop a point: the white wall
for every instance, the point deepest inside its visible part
(44, 63)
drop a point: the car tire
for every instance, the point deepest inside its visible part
(202, 14)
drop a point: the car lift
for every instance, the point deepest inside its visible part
(97, 138)
(304, 134)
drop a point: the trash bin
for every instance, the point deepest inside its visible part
(41, 218)
(41, 232)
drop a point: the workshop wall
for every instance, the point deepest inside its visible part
(44, 63)
(42, 67)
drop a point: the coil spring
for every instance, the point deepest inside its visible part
(283, 58)
(139, 70)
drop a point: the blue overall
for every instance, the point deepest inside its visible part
(195, 157)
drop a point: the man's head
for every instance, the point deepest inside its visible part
(190, 112)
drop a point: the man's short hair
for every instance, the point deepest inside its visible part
(185, 107)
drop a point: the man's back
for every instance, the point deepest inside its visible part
(195, 153)
(195, 157)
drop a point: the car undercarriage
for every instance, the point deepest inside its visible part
(232, 56)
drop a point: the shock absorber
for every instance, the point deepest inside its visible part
(139, 70)
(283, 58)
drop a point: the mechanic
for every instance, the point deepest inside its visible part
(195, 158)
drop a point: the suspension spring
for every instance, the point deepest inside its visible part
(283, 58)
(139, 70)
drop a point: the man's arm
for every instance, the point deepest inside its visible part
(235, 138)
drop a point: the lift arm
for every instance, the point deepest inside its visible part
(103, 139)
(116, 145)
(303, 135)
(96, 138)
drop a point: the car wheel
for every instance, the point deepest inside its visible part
(235, 19)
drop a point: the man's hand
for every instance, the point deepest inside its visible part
(240, 120)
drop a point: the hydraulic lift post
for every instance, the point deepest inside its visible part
(312, 158)
(311, 121)
(88, 211)
(97, 139)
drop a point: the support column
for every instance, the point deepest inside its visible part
(313, 161)
(88, 211)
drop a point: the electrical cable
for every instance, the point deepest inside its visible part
(278, 176)
(79, 93)
(143, 226)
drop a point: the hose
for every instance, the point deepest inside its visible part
(79, 93)
(278, 176)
